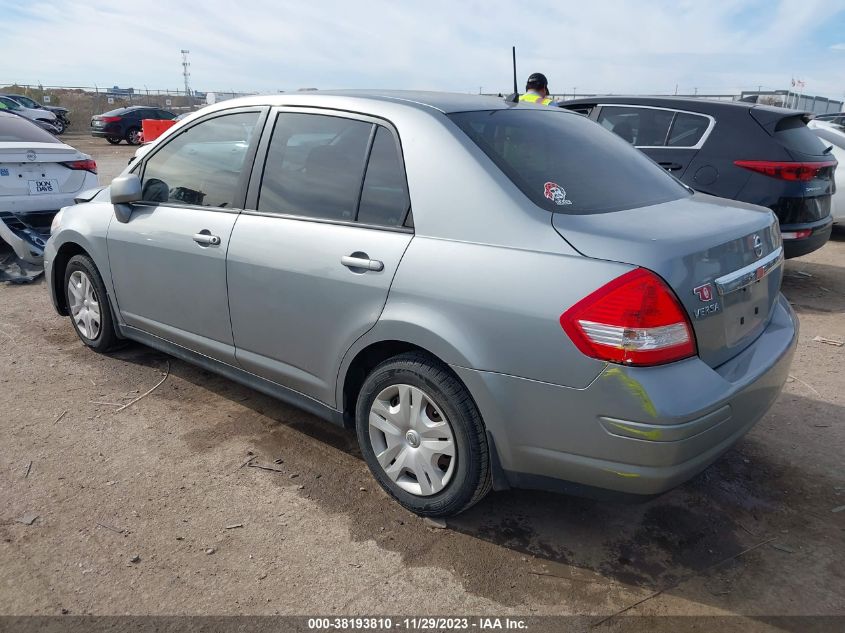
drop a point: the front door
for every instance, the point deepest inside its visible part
(168, 262)
(310, 267)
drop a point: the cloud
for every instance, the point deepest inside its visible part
(838, 47)
(266, 45)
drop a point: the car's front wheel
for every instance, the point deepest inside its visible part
(114, 140)
(60, 126)
(422, 436)
(88, 304)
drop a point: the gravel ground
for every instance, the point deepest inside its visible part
(152, 510)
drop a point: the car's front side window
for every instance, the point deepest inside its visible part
(201, 166)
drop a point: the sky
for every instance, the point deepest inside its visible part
(614, 46)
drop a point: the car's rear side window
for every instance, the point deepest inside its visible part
(384, 198)
(566, 163)
(15, 129)
(315, 166)
(643, 127)
(334, 168)
(687, 129)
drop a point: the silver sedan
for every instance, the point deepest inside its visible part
(489, 294)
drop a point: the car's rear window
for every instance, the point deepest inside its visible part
(566, 163)
(794, 134)
(15, 129)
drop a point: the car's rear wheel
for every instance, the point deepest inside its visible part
(114, 140)
(422, 436)
(133, 136)
(88, 304)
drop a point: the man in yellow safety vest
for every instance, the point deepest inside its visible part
(536, 90)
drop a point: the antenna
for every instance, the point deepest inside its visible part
(514, 98)
(185, 72)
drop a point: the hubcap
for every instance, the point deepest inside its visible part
(412, 440)
(84, 305)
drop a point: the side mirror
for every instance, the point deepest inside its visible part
(125, 190)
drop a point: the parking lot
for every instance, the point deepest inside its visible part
(205, 497)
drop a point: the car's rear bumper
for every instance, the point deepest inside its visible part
(797, 247)
(632, 430)
(104, 133)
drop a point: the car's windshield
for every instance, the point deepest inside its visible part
(566, 163)
(26, 101)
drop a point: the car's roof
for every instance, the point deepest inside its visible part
(682, 103)
(446, 102)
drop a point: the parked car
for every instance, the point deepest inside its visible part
(33, 114)
(44, 125)
(124, 124)
(836, 117)
(38, 175)
(743, 151)
(833, 134)
(491, 294)
(62, 114)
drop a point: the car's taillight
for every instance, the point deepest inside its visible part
(87, 165)
(635, 319)
(786, 170)
(109, 119)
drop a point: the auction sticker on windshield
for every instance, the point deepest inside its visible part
(43, 186)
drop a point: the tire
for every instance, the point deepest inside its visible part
(114, 140)
(421, 475)
(97, 333)
(60, 126)
(133, 136)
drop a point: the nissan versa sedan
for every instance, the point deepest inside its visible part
(490, 294)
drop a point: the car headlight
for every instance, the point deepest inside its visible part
(57, 221)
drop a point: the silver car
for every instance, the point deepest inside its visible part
(490, 294)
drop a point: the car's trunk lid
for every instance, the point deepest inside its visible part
(36, 168)
(722, 258)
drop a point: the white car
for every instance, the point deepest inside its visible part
(32, 114)
(834, 135)
(38, 176)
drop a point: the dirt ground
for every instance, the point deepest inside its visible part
(164, 480)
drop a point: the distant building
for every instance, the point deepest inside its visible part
(114, 91)
(793, 100)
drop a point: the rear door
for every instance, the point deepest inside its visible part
(670, 137)
(311, 263)
(168, 262)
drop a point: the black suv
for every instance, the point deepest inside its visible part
(743, 151)
(125, 123)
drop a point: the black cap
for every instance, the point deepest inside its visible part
(537, 80)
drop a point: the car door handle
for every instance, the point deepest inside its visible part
(361, 262)
(671, 166)
(206, 239)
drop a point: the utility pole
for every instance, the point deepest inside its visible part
(185, 72)
(676, 89)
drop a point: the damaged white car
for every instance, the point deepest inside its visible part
(38, 176)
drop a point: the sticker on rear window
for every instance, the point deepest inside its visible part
(555, 193)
